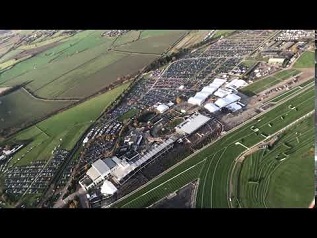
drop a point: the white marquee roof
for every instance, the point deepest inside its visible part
(212, 107)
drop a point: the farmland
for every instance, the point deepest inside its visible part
(280, 176)
(77, 67)
(306, 60)
(156, 44)
(62, 129)
(265, 83)
(218, 158)
(16, 113)
(90, 53)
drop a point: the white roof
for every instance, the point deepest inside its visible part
(236, 83)
(221, 93)
(234, 107)
(122, 171)
(209, 89)
(232, 97)
(162, 108)
(93, 173)
(181, 87)
(212, 107)
(108, 188)
(221, 102)
(202, 95)
(217, 82)
(195, 101)
(98, 168)
(170, 104)
(193, 123)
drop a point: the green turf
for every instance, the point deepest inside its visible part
(261, 84)
(129, 114)
(82, 64)
(214, 179)
(267, 182)
(19, 108)
(249, 63)
(219, 33)
(127, 38)
(156, 44)
(68, 126)
(151, 33)
(306, 60)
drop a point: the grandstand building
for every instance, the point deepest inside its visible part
(192, 124)
(99, 171)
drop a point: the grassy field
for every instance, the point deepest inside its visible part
(219, 33)
(129, 114)
(306, 60)
(84, 59)
(249, 63)
(127, 38)
(266, 181)
(219, 157)
(67, 125)
(16, 113)
(156, 44)
(85, 63)
(44, 42)
(261, 84)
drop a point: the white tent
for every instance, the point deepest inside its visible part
(221, 102)
(217, 82)
(108, 188)
(232, 98)
(209, 89)
(162, 108)
(212, 107)
(195, 101)
(202, 95)
(221, 93)
(234, 107)
(236, 83)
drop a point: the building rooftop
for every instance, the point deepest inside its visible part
(192, 123)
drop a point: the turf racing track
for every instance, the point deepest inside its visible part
(213, 164)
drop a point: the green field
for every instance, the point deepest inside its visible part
(153, 43)
(127, 38)
(85, 59)
(68, 126)
(267, 181)
(219, 157)
(219, 33)
(85, 63)
(16, 113)
(261, 84)
(306, 60)
(129, 114)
